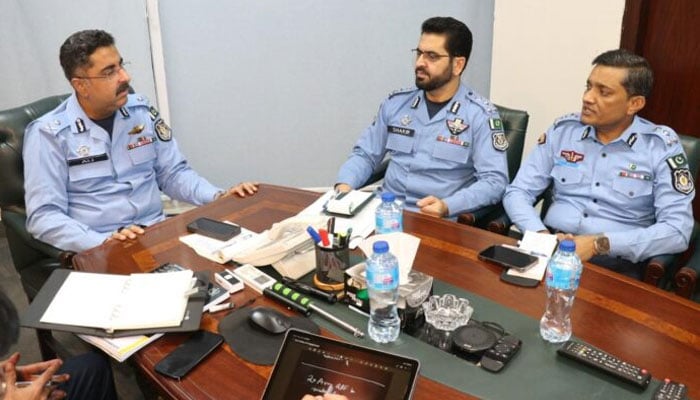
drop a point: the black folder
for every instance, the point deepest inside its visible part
(31, 318)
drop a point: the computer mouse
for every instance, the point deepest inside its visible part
(270, 320)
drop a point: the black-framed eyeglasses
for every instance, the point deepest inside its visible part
(109, 74)
(431, 56)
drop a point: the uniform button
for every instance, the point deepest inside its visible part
(595, 200)
(563, 179)
(585, 215)
(597, 183)
(604, 155)
(631, 194)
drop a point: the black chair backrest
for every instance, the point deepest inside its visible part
(515, 126)
(12, 125)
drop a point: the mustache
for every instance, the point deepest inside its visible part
(123, 88)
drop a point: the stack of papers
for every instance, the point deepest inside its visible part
(121, 348)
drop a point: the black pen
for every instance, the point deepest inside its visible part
(331, 225)
(310, 290)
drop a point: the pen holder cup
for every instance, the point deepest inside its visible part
(331, 263)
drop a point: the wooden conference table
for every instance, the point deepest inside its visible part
(634, 321)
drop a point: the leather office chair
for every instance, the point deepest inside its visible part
(515, 126)
(34, 260)
(660, 269)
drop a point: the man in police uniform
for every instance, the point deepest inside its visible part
(446, 142)
(94, 167)
(622, 188)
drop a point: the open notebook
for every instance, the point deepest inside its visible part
(104, 305)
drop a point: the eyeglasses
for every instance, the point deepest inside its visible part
(431, 56)
(109, 74)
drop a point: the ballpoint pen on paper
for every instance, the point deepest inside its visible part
(532, 253)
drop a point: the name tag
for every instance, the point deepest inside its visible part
(88, 160)
(401, 131)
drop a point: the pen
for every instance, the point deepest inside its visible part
(331, 225)
(324, 237)
(314, 235)
(532, 253)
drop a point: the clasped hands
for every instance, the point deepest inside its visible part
(40, 378)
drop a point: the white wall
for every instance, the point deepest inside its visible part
(542, 53)
(32, 31)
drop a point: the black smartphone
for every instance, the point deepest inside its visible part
(508, 258)
(213, 228)
(187, 355)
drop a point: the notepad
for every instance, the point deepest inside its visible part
(348, 204)
(119, 302)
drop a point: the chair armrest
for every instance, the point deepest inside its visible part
(658, 268)
(480, 217)
(685, 279)
(501, 224)
(16, 221)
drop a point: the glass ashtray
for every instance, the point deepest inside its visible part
(447, 312)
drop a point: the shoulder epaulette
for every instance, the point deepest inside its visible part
(573, 117)
(402, 91)
(52, 123)
(665, 133)
(481, 101)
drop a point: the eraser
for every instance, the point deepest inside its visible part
(228, 281)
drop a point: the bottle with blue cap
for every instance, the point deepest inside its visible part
(389, 215)
(383, 287)
(562, 279)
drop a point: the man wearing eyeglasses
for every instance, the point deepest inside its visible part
(95, 166)
(446, 142)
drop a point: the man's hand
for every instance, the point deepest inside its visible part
(584, 244)
(342, 188)
(129, 232)
(241, 190)
(38, 373)
(431, 205)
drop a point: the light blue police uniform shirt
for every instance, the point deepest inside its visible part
(458, 155)
(637, 189)
(81, 185)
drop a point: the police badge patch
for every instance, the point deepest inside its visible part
(682, 180)
(163, 131)
(500, 142)
(456, 126)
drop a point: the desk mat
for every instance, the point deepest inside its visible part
(536, 372)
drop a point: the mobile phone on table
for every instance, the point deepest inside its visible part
(187, 355)
(213, 228)
(507, 257)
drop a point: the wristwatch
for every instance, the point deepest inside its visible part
(601, 245)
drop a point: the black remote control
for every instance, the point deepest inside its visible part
(670, 390)
(495, 358)
(605, 362)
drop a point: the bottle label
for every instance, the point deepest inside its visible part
(384, 280)
(561, 278)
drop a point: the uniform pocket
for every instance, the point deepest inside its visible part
(91, 170)
(567, 175)
(400, 143)
(451, 152)
(142, 154)
(632, 188)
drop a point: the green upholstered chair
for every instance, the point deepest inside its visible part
(34, 260)
(515, 126)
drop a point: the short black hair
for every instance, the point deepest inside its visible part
(77, 49)
(640, 77)
(459, 37)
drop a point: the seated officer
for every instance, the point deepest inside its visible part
(622, 188)
(446, 142)
(95, 166)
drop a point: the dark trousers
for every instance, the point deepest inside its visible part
(90, 377)
(620, 265)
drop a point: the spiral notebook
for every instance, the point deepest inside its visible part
(118, 305)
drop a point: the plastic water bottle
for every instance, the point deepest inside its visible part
(383, 287)
(563, 274)
(389, 215)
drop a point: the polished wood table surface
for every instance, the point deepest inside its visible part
(632, 320)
